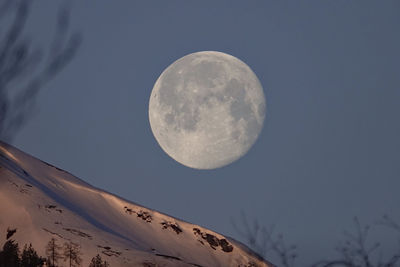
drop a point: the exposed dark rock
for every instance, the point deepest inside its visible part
(56, 234)
(196, 231)
(24, 191)
(48, 164)
(77, 232)
(225, 245)
(213, 241)
(250, 264)
(149, 264)
(145, 215)
(111, 253)
(128, 210)
(54, 207)
(173, 226)
(169, 257)
(106, 248)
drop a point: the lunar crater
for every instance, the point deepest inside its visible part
(207, 109)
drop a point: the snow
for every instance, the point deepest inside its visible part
(42, 202)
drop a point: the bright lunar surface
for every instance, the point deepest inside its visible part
(207, 109)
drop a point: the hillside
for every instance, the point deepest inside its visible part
(42, 201)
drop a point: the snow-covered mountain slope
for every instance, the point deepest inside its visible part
(42, 201)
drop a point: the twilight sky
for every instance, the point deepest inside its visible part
(330, 146)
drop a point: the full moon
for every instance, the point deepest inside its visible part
(207, 109)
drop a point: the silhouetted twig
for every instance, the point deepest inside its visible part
(265, 242)
(24, 70)
(355, 251)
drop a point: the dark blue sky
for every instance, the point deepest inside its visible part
(330, 147)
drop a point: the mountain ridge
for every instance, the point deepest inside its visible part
(41, 200)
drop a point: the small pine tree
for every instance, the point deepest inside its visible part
(98, 262)
(53, 252)
(10, 255)
(72, 254)
(29, 257)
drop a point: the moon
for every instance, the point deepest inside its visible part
(207, 109)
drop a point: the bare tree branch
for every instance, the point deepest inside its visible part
(265, 242)
(355, 251)
(23, 72)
